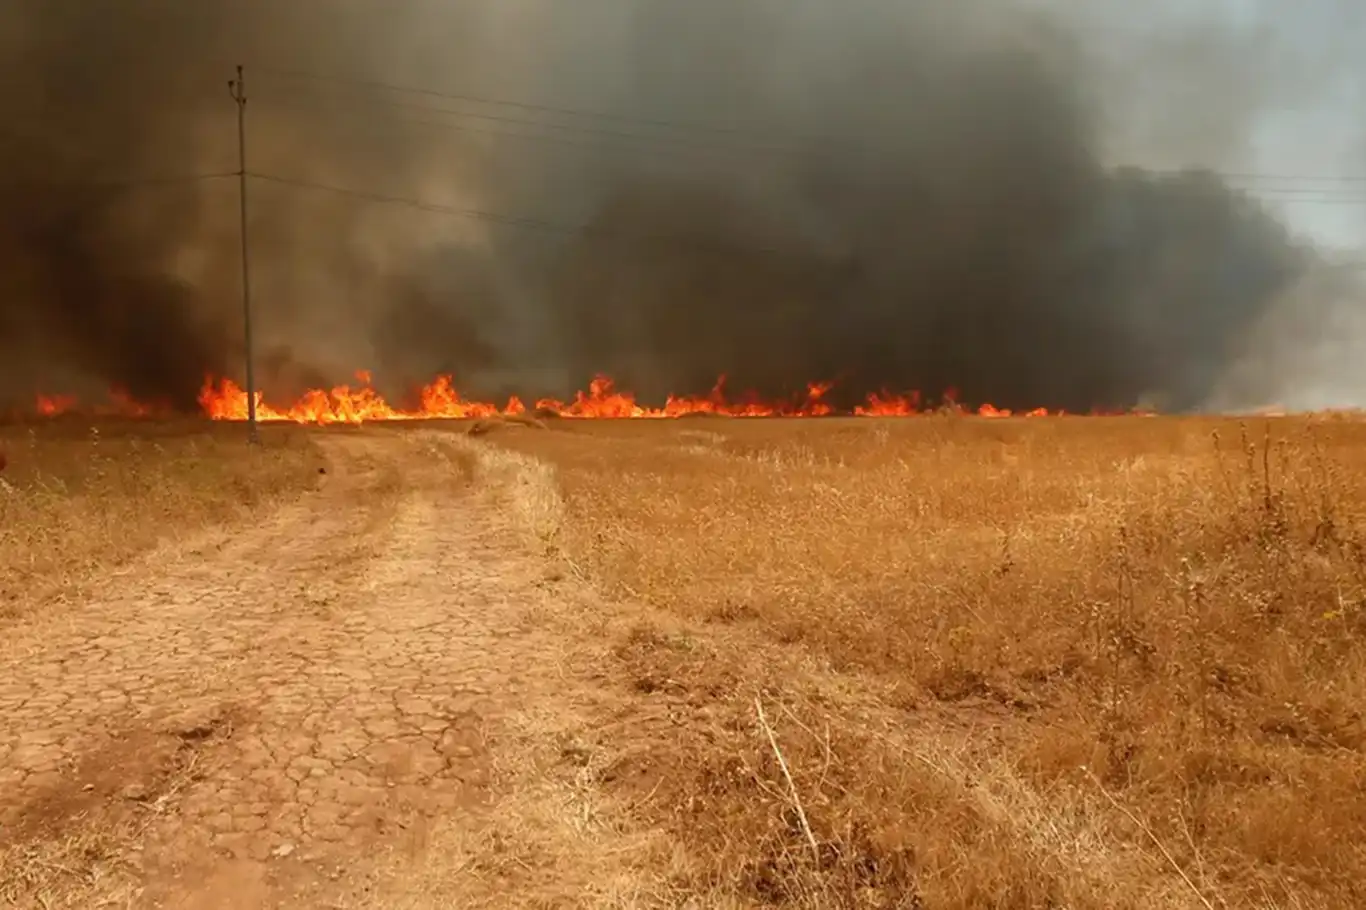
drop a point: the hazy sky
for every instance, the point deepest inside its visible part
(1254, 86)
(1271, 89)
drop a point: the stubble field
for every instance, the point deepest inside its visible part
(934, 662)
(1081, 663)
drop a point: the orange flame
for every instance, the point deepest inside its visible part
(223, 399)
(119, 404)
(53, 405)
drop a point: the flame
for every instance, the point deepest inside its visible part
(223, 399)
(53, 405)
(119, 404)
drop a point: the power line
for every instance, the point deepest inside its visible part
(135, 182)
(670, 143)
(96, 193)
(536, 224)
(659, 138)
(379, 86)
(685, 153)
(711, 148)
(146, 20)
(1326, 193)
(374, 85)
(1319, 185)
(1300, 195)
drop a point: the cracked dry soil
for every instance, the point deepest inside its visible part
(266, 703)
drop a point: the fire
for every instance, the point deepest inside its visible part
(120, 404)
(52, 405)
(223, 399)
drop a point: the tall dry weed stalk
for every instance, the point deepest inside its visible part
(1137, 599)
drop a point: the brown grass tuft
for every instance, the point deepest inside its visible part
(1075, 662)
(488, 425)
(78, 497)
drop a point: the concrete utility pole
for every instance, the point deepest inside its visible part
(238, 88)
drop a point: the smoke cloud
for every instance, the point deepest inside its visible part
(893, 196)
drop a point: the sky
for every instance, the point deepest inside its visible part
(1251, 86)
(1271, 89)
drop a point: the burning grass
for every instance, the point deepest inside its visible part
(1087, 663)
(78, 497)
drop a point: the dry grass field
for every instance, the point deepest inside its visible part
(1086, 663)
(939, 663)
(77, 497)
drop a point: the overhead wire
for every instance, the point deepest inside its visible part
(680, 142)
(133, 182)
(535, 224)
(1354, 193)
(377, 86)
(552, 227)
(1311, 189)
(1315, 189)
(161, 19)
(1306, 193)
(373, 85)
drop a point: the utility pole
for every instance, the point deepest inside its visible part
(238, 88)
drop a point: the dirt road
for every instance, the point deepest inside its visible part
(249, 719)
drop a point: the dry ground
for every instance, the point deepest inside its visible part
(939, 663)
(232, 679)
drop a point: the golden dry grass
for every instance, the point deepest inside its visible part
(78, 497)
(1084, 663)
(492, 424)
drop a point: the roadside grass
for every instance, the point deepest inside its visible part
(78, 497)
(1075, 662)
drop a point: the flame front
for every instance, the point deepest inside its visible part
(223, 399)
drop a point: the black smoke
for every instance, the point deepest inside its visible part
(948, 226)
(119, 221)
(893, 197)
(84, 281)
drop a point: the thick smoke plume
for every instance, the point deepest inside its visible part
(893, 196)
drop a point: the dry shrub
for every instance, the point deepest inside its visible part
(868, 807)
(80, 497)
(1145, 631)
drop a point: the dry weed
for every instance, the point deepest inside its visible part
(80, 497)
(1101, 663)
(527, 490)
(552, 835)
